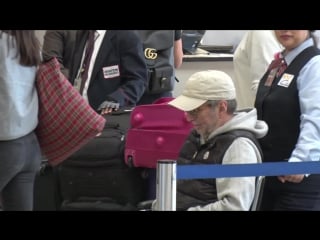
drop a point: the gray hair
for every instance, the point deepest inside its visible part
(231, 105)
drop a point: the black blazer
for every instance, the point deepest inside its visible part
(120, 49)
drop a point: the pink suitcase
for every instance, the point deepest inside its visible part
(157, 131)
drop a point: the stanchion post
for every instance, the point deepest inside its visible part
(166, 185)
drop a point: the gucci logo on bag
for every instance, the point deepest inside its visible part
(150, 53)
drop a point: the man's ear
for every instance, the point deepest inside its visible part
(223, 106)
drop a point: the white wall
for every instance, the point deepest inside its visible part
(223, 37)
(189, 68)
(231, 37)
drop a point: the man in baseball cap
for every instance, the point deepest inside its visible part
(204, 86)
(221, 135)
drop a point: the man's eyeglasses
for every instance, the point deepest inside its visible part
(195, 112)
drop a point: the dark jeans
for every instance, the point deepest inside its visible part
(303, 196)
(19, 161)
(152, 183)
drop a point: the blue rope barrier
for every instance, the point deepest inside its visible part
(242, 170)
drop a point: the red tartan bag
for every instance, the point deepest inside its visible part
(66, 120)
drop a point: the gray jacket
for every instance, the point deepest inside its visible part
(59, 44)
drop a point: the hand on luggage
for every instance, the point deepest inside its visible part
(108, 107)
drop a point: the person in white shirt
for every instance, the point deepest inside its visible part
(251, 59)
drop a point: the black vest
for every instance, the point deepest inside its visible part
(201, 192)
(279, 107)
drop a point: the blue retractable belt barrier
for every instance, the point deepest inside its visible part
(242, 170)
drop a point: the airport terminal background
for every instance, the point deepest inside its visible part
(198, 62)
(211, 37)
(220, 61)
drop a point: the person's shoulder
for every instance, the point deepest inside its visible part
(60, 34)
(55, 32)
(314, 64)
(71, 33)
(124, 34)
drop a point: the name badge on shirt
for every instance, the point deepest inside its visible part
(111, 71)
(285, 80)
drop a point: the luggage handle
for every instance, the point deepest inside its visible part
(125, 110)
(122, 111)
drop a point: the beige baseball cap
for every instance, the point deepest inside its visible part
(203, 86)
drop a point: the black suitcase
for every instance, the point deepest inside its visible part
(46, 195)
(109, 146)
(95, 204)
(98, 171)
(120, 184)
